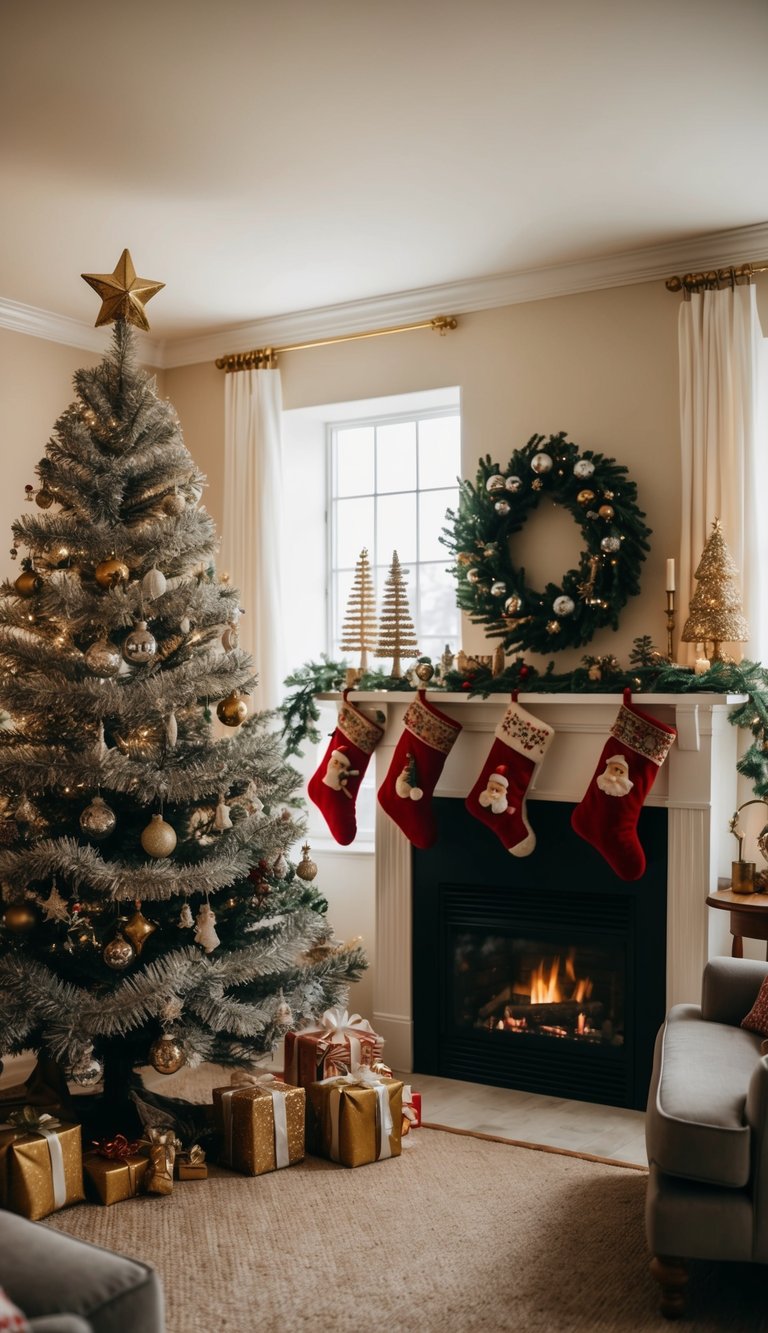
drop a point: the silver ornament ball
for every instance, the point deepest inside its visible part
(139, 647)
(610, 544)
(583, 468)
(498, 589)
(103, 658)
(473, 575)
(541, 463)
(87, 1073)
(97, 819)
(514, 484)
(512, 606)
(494, 483)
(501, 507)
(563, 606)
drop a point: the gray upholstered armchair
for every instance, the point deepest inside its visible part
(707, 1132)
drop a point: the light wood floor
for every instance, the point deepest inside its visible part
(605, 1131)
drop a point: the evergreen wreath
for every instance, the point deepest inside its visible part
(602, 499)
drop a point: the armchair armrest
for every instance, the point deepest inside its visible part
(729, 988)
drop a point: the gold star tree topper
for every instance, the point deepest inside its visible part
(123, 295)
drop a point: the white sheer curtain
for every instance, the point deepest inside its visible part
(723, 366)
(253, 511)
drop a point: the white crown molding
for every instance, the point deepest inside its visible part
(740, 245)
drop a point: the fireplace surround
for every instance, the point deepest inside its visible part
(696, 787)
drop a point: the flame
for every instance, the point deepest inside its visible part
(545, 986)
(581, 1022)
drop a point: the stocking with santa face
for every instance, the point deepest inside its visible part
(498, 798)
(334, 786)
(420, 754)
(607, 815)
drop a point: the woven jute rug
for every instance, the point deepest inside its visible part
(461, 1233)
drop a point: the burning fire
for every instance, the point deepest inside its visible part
(545, 984)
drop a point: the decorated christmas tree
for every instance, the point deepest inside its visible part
(715, 611)
(397, 635)
(358, 633)
(150, 911)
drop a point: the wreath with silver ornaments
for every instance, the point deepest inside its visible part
(601, 498)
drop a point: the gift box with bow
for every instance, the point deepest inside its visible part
(115, 1169)
(355, 1118)
(260, 1122)
(191, 1163)
(41, 1164)
(342, 1041)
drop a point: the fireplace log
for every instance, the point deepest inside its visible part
(562, 1013)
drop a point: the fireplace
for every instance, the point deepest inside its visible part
(543, 973)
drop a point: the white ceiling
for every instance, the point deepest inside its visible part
(268, 158)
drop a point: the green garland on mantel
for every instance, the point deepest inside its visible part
(648, 673)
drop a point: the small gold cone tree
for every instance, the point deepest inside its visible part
(715, 611)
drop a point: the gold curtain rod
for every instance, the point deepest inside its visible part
(696, 282)
(265, 358)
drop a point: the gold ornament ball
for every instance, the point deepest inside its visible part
(44, 499)
(166, 1055)
(174, 504)
(139, 647)
(20, 918)
(28, 583)
(233, 710)
(425, 671)
(108, 573)
(97, 820)
(103, 658)
(307, 868)
(119, 953)
(464, 558)
(585, 497)
(57, 553)
(158, 839)
(606, 511)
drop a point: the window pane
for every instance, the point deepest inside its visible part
(342, 587)
(354, 460)
(438, 612)
(439, 451)
(396, 527)
(353, 528)
(432, 510)
(396, 456)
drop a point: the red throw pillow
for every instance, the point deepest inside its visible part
(757, 1018)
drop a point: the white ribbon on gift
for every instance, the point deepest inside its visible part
(55, 1153)
(338, 1028)
(268, 1083)
(362, 1076)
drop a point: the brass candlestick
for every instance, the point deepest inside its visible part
(670, 623)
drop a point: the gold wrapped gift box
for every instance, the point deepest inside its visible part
(344, 1121)
(252, 1141)
(34, 1170)
(115, 1179)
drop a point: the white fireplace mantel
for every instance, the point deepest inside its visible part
(697, 785)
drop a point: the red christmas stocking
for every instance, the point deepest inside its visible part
(334, 786)
(498, 797)
(608, 814)
(407, 790)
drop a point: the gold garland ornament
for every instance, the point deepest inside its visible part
(599, 495)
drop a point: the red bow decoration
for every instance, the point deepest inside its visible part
(118, 1148)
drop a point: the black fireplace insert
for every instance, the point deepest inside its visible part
(544, 973)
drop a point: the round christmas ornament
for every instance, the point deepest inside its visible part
(424, 671)
(28, 583)
(495, 483)
(20, 918)
(103, 658)
(139, 647)
(166, 1055)
(44, 499)
(230, 638)
(502, 508)
(118, 953)
(158, 839)
(307, 869)
(87, 1072)
(233, 710)
(57, 553)
(97, 820)
(109, 573)
(174, 504)
(568, 611)
(154, 584)
(541, 463)
(138, 930)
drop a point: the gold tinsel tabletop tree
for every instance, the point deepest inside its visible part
(149, 912)
(397, 635)
(358, 633)
(715, 611)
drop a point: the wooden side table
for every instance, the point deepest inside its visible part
(749, 915)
